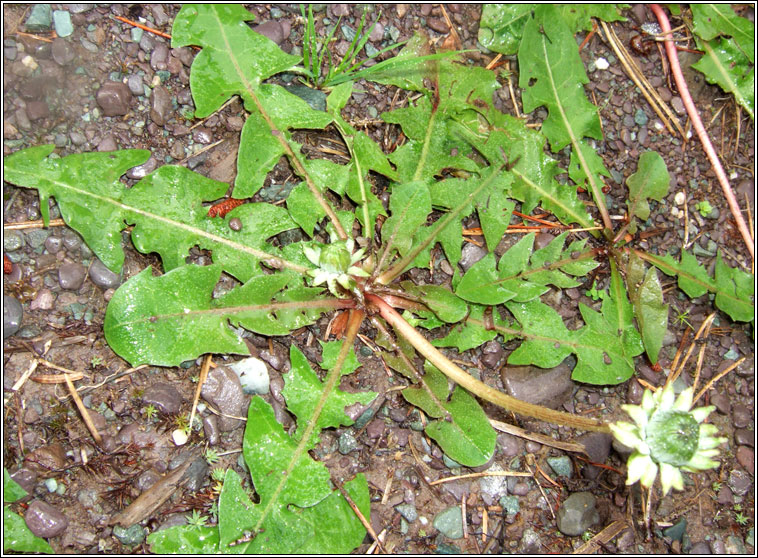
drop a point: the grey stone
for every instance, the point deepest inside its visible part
(26, 478)
(62, 21)
(113, 98)
(130, 536)
(495, 486)
(164, 397)
(530, 542)
(741, 416)
(739, 482)
(71, 241)
(492, 352)
(561, 465)
(141, 171)
(314, 97)
(102, 276)
(449, 522)
(161, 107)
(551, 387)
(159, 57)
(135, 84)
(12, 241)
(744, 437)
(88, 497)
(62, 51)
(577, 514)
(40, 18)
(147, 479)
(79, 8)
(160, 16)
(133, 434)
(271, 30)
(598, 447)
(196, 474)
(202, 135)
(71, 276)
(223, 389)
(678, 105)
(108, 143)
(146, 43)
(722, 402)
(408, 511)
(471, 254)
(210, 428)
(77, 138)
(347, 443)
(12, 315)
(44, 520)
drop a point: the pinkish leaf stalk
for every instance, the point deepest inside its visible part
(700, 129)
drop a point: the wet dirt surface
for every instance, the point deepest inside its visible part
(63, 292)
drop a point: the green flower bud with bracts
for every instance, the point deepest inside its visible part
(669, 435)
(336, 264)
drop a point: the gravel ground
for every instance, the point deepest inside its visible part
(107, 86)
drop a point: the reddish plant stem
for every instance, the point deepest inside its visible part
(681, 84)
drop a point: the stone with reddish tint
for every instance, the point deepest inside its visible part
(114, 98)
(47, 458)
(223, 390)
(44, 520)
(164, 397)
(36, 110)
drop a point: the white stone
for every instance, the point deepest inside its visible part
(179, 436)
(29, 62)
(680, 198)
(601, 64)
(253, 375)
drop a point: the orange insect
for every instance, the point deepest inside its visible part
(7, 265)
(222, 208)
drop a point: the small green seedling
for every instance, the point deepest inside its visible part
(211, 456)
(197, 519)
(704, 207)
(150, 412)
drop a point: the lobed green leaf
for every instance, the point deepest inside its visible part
(462, 431)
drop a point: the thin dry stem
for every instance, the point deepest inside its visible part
(716, 378)
(200, 383)
(483, 474)
(33, 225)
(83, 410)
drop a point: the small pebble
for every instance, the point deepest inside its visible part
(449, 522)
(44, 300)
(71, 276)
(102, 276)
(44, 520)
(223, 390)
(62, 21)
(252, 372)
(164, 397)
(62, 51)
(577, 513)
(114, 98)
(135, 84)
(12, 315)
